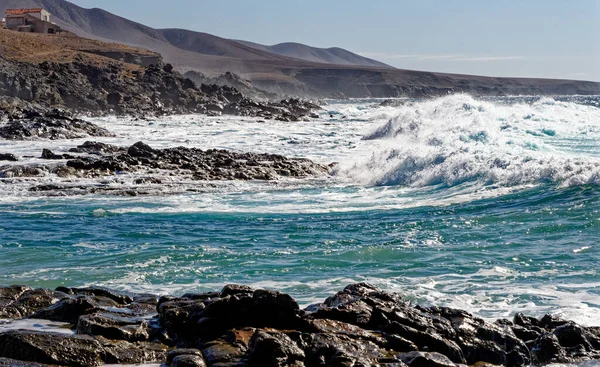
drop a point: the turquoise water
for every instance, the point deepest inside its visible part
(440, 221)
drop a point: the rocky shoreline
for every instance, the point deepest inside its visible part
(127, 90)
(240, 326)
(147, 167)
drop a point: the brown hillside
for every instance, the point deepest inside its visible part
(67, 47)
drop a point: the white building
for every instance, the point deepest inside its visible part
(29, 20)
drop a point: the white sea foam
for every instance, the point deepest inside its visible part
(456, 139)
(480, 149)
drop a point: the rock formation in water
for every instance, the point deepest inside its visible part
(241, 326)
(148, 166)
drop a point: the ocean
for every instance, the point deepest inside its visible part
(488, 205)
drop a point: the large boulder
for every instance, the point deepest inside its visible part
(51, 348)
(19, 302)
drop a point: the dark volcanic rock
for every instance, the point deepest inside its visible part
(5, 362)
(123, 352)
(114, 89)
(115, 326)
(52, 124)
(425, 359)
(212, 315)
(93, 147)
(116, 296)
(70, 309)
(8, 157)
(188, 360)
(241, 326)
(154, 165)
(18, 302)
(274, 349)
(51, 348)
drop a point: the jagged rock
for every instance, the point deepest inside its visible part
(188, 361)
(119, 297)
(70, 309)
(49, 125)
(8, 157)
(142, 150)
(229, 350)
(114, 98)
(123, 352)
(18, 302)
(114, 326)
(51, 348)
(183, 352)
(5, 362)
(241, 326)
(426, 359)
(210, 317)
(93, 147)
(48, 154)
(547, 349)
(338, 350)
(274, 349)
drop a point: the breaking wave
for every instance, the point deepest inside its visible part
(457, 139)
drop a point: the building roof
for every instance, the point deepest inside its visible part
(22, 11)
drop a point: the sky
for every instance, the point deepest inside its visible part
(526, 38)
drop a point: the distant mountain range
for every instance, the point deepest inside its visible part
(287, 68)
(333, 55)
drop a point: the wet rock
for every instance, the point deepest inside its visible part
(550, 322)
(48, 154)
(188, 361)
(123, 352)
(121, 298)
(141, 149)
(53, 128)
(183, 352)
(70, 309)
(8, 295)
(547, 349)
(5, 362)
(19, 302)
(338, 350)
(51, 348)
(274, 349)
(156, 165)
(225, 353)
(241, 326)
(262, 308)
(426, 359)
(94, 147)
(8, 157)
(481, 341)
(114, 326)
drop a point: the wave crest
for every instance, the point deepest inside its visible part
(456, 139)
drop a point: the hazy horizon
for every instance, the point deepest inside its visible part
(547, 39)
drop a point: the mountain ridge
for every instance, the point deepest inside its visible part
(330, 55)
(278, 73)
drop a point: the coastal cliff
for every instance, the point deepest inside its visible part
(99, 78)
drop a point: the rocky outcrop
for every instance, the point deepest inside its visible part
(232, 80)
(151, 170)
(50, 124)
(116, 88)
(241, 326)
(152, 166)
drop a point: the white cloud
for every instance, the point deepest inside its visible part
(490, 58)
(450, 57)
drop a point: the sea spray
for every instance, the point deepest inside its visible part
(456, 139)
